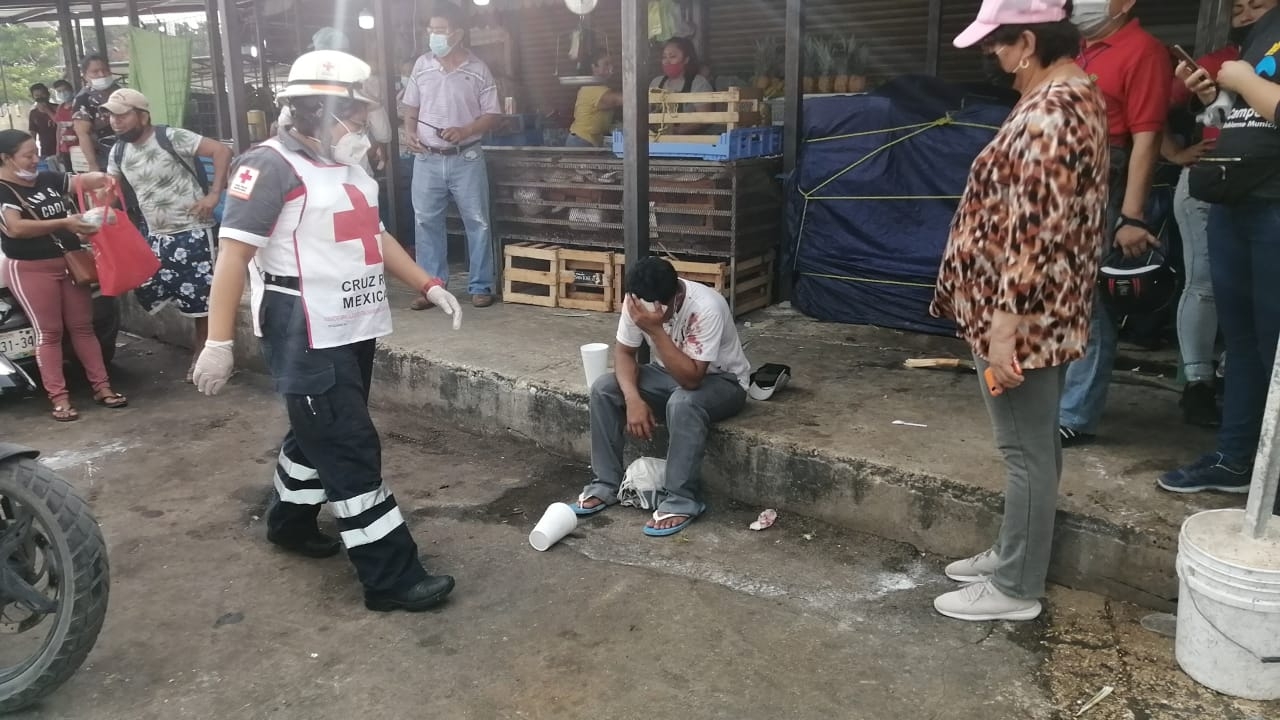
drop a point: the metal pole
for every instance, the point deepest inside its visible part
(794, 110)
(300, 44)
(4, 87)
(933, 52)
(1212, 25)
(67, 36)
(701, 15)
(132, 8)
(100, 30)
(238, 106)
(217, 69)
(264, 81)
(635, 126)
(1266, 466)
(79, 39)
(390, 70)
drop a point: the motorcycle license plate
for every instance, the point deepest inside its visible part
(18, 344)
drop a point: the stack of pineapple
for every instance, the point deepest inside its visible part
(832, 65)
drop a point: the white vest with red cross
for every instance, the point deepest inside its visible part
(338, 243)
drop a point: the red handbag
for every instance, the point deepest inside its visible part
(125, 259)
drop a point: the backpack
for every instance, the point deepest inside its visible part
(132, 207)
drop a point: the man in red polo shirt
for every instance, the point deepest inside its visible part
(1135, 73)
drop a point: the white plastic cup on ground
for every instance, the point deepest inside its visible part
(559, 520)
(595, 361)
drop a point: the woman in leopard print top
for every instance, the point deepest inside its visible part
(1018, 278)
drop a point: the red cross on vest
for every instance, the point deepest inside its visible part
(359, 223)
(246, 176)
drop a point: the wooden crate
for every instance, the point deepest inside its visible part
(733, 108)
(753, 288)
(531, 274)
(586, 280)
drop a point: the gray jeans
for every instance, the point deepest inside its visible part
(1197, 310)
(689, 415)
(1025, 421)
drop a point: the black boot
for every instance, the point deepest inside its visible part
(1200, 405)
(425, 595)
(313, 545)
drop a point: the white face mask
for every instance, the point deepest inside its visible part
(1092, 17)
(61, 96)
(101, 83)
(26, 174)
(351, 148)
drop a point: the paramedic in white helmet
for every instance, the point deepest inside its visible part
(302, 218)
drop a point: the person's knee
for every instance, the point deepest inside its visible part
(606, 388)
(683, 407)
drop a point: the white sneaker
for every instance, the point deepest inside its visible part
(974, 569)
(982, 601)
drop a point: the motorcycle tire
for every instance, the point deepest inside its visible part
(79, 552)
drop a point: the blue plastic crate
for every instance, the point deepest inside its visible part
(734, 145)
(526, 137)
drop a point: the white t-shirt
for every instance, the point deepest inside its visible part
(702, 328)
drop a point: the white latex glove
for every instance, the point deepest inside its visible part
(445, 300)
(214, 366)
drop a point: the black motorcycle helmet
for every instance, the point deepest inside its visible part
(1137, 286)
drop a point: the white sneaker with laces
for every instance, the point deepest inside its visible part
(982, 601)
(974, 569)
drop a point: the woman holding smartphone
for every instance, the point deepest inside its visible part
(1197, 310)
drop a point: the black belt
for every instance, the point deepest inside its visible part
(449, 150)
(283, 281)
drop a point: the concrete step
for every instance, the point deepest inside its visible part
(827, 447)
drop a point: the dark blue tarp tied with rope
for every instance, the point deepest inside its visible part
(871, 201)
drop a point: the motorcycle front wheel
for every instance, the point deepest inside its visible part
(54, 581)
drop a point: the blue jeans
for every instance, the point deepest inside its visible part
(1084, 395)
(1244, 255)
(1197, 313)
(463, 177)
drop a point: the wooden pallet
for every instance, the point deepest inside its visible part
(586, 280)
(734, 108)
(531, 274)
(752, 290)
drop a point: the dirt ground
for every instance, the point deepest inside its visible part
(800, 621)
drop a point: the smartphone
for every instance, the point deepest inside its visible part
(1185, 57)
(993, 386)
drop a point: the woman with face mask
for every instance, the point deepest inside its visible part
(37, 224)
(93, 128)
(302, 218)
(1018, 278)
(680, 74)
(1197, 309)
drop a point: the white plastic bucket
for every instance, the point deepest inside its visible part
(1229, 605)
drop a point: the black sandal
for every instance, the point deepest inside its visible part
(113, 400)
(65, 413)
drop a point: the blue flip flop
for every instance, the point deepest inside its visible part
(587, 512)
(657, 516)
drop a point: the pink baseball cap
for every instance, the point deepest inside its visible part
(995, 13)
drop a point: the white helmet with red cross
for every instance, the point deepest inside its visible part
(328, 72)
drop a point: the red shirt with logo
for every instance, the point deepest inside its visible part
(1135, 74)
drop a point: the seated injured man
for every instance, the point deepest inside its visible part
(698, 376)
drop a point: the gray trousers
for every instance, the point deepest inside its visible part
(689, 415)
(1025, 421)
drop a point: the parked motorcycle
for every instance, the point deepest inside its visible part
(54, 579)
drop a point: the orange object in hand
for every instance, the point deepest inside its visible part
(994, 387)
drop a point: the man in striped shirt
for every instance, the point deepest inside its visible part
(449, 105)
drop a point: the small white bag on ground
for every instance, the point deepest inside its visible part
(643, 483)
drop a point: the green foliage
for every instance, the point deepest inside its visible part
(29, 55)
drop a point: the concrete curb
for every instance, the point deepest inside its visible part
(931, 513)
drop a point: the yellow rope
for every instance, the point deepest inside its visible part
(943, 121)
(869, 280)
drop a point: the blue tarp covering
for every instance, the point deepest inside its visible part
(876, 185)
